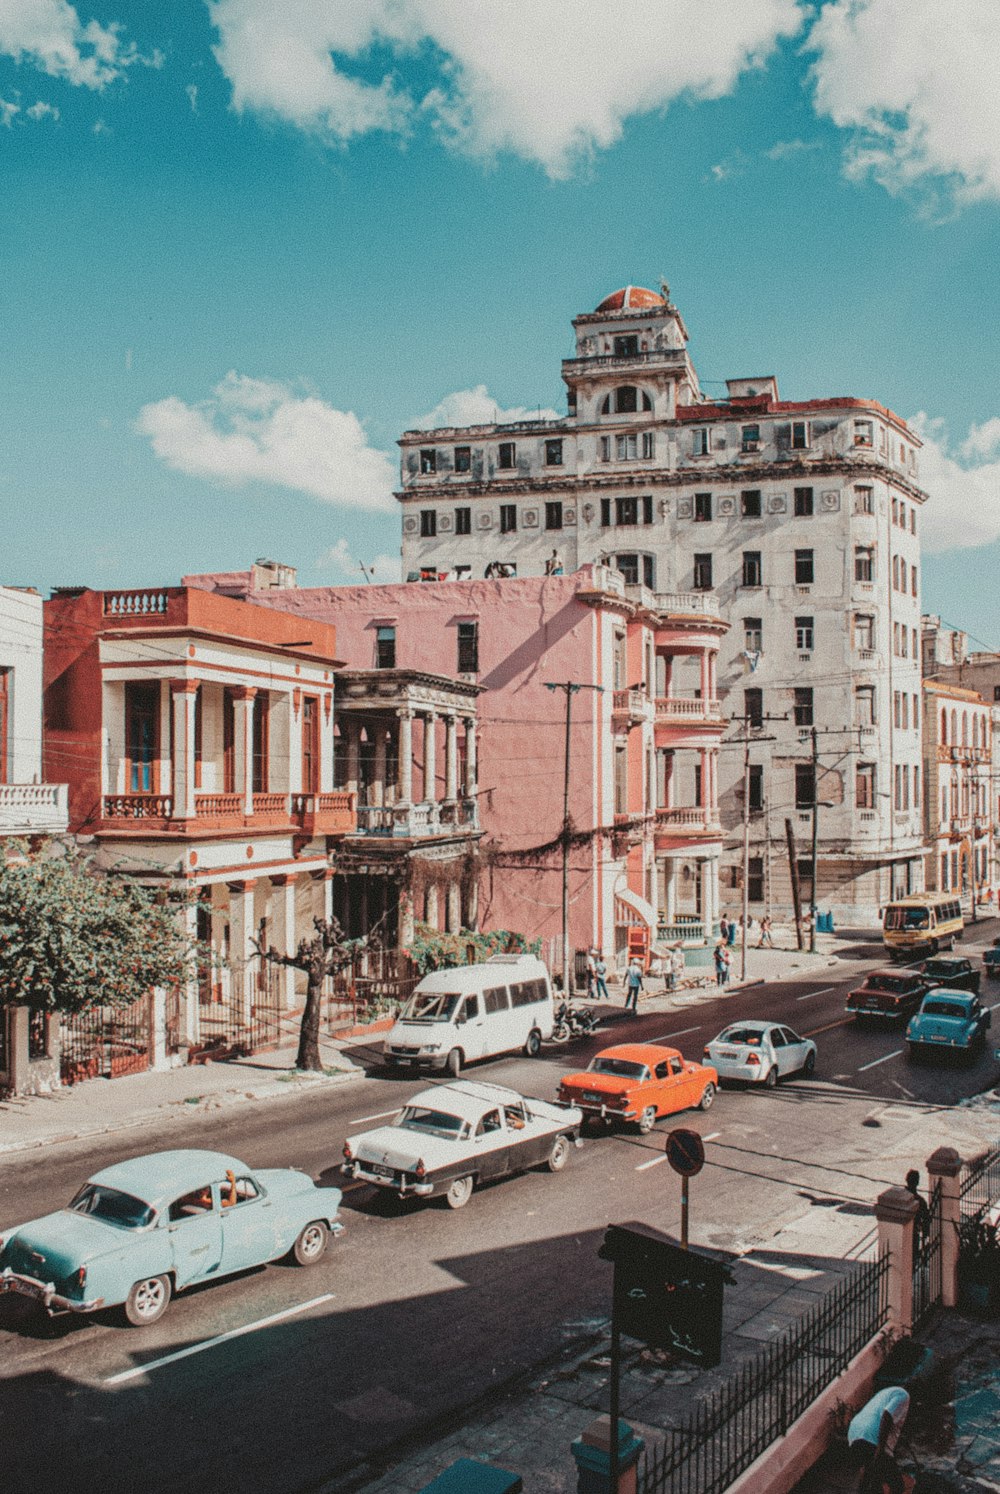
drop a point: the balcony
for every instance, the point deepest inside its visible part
(690, 820)
(312, 814)
(629, 708)
(685, 710)
(33, 808)
(416, 821)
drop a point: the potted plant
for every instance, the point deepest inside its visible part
(979, 1262)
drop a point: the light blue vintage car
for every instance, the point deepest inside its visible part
(948, 1022)
(144, 1229)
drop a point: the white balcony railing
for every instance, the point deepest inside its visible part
(687, 708)
(32, 808)
(688, 818)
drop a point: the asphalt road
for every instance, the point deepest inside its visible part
(417, 1310)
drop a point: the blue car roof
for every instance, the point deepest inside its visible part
(161, 1176)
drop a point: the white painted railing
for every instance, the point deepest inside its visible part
(33, 806)
(686, 708)
(688, 818)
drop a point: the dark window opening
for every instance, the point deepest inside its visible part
(752, 568)
(463, 521)
(468, 648)
(804, 706)
(508, 456)
(804, 569)
(805, 786)
(553, 453)
(753, 708)
(750, 504)
(553, 516)
(626, 347)
(755, 788)
(463, 458)
(702, 507)
(803, 503)
(428, 461)
(508, 518)
(702, 572)
(385, 648)
(428, 523)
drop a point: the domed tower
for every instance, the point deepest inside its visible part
(631, 360)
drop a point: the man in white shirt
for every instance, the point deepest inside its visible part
(872, 1437)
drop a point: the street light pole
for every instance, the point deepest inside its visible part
(815, 843)
(570, 688)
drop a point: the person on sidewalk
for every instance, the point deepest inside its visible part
(922, 1223)
(591, 974)
(600, 979)
(633, 985)
(872, 1437)
(731, 940)
(766, 942)
(721, 959)
(675, 967)
(727, 965)
(724, 929)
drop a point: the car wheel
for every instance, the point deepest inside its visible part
(454, 1064)
(707, 1096)
(647, 1120)
(311, 1243)
(560, 1033)
(147, 1301)
(559, 1155)
(809, 1067)
(771, 1078)
(458, 1193)
(534, 1044)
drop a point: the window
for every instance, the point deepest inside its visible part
(864, 631)
(142, 736)
(756, 788)
(428, 523)
(626, 448)
(804, 634)
(604, 448)
(385, 648)
(627, 400)
(5, 681)
(752, 570)
(864, 500)
(626, 346)
(463, 521)
(803, 503)
(916, 787)
(800, 435)
(508, 518)
(864, 705)
(702, 572)
(468, 648)
(700, 442)
(553, 516)
(864, 563)
(803, 567)
(428, 461)
(803, 708)
(913, 580)
(463, 458)
(626, 510)
(750, 506)
(755, 879)
(629, 566)
(864, 433)
(753, 708)
(554, 453)
(750, 437)
(507, 456)
(753, 635)
(702, 507)
(310, 744)
(621, 780)
(648, 445)
(805, 786)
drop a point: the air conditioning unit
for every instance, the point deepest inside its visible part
(751, 446)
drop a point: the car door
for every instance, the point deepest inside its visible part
(490, 1145)
(194, 1227)
(796, 1049)
(472, 1025)
(669, 1082)
(778, 1044)
(529, 1138)
(249, 1225)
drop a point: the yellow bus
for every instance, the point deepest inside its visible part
(923, 920)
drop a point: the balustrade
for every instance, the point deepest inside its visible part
(688, 818)
(218, 806)
(138, 806)
(135, 603)
(687, 708)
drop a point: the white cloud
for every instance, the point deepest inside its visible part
(963, 485)
(7, 112)
(918, 84)
(191, 90)
(49, 35)
(261, 431)
(41, 110)
(382, 569)
(474, 407)
(550, 82)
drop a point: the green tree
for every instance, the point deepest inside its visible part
(325, 954)
(73, 937)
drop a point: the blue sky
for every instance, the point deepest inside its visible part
(244, 245)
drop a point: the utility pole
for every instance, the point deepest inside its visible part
(759, 721)
(793, 872)
(570, 688)
(815, 842)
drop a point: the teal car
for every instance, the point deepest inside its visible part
(948, 1022)
(142, 1230)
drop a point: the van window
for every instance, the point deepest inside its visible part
(471, 1008)
(495, 999)
(525, 993)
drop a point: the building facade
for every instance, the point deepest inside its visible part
(800, 518)
(28, 806)
(958, 801)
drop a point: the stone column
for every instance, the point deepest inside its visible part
(713, 676)
(158, 1030)
(450, 758)
(182, 770)
(430, 758)
(670, 889)
(353, 728)
(406, 929)
(945, 1165)
(668, 780)
(191, 1026)
(707, 901)
(896, 1213)
(283, 931)
(705, 675)
(378, 795)
(405, 717)
(243, 696)
(471, 767)
(242, 929)
(432, 906)
(472, 912)
(454, 908)
(668, 676)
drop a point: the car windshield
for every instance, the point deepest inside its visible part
(619, 1066)
(112, 1207)
(906, 918)
(942, 967)
(430, 1006)
(943, 1009)
(750, 1037)
(892, 983)
(433, 1122)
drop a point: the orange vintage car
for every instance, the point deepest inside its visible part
(639, 1082)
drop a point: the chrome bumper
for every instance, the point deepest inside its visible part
(398, 1185)
(44, 1293)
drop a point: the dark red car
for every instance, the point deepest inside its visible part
(887, 994)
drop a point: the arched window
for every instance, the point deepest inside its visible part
(626, 400)
(954, 728)
(965, 728)
(975, 731)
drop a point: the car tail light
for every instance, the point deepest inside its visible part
(708, 1053)
(420, 1170)
(79, 1277)
(348, 1154)
(752, 1061)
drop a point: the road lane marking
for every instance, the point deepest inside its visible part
(876, 1061)
(654, 1162)
(210, 1343)
(712, 1136)
(382, 1115)
(682, 1033)
(810, 994)
(829, 1026)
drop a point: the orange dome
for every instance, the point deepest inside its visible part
(630, 299)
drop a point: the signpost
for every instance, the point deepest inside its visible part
(686, 1155)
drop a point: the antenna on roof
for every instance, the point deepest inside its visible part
(664, 288)
(366, 571)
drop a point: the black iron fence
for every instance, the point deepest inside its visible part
(243, 1011)
(980, 1186)
(927, 1259)
(106, 1041)
(732, 1425)
(375, 984)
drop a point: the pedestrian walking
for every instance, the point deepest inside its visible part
(766, 942)
(732, 932)
(724, 929)
(727, 965)
(633, 985)
(600, 979)
(675, 966)
(721, 956)
(872, 1437)
(591, 974)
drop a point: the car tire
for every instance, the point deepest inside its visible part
(647, 1120)
(454, 1062)
(560, 1033)
(707, 1096)
(311, 1243)
(809, 1067)
(147, 1301)
(458, 1192)
(559, 1155)
(533, 1046)
(771, 1078)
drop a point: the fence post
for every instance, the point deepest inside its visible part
(896, 1212)
(946, 1165)
(157, 1010)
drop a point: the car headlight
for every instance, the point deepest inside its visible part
(431, 1047)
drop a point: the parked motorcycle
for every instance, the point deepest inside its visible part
(572, 1021)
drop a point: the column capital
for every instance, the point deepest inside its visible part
(185, 687)
(282, 879)
(896, 1206)
(243, 692)
(247, 886)
(405, 713)
(944, 1163)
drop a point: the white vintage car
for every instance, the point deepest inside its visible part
(451, 1137)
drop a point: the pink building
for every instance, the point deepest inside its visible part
(643, 749)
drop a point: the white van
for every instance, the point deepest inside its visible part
(473, 1011)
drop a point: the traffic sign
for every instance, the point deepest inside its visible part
(685, 1152)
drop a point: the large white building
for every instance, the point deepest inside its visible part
(28, 807)
(801, 517)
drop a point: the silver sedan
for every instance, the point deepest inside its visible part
(760, 1053)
